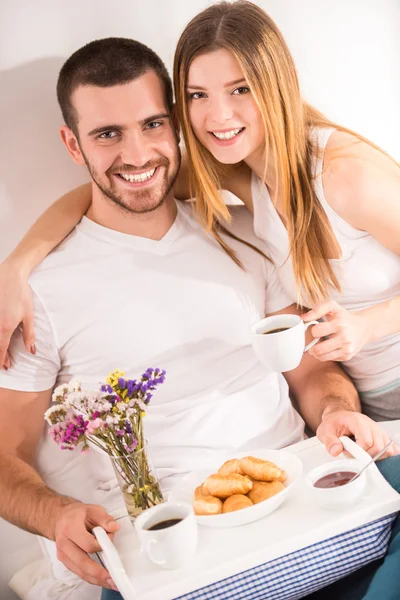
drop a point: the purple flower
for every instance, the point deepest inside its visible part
(119, 432)
(128, 427)
(122, 383)
(106, 388)
(132, 386)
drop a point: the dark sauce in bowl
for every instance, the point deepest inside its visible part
(333, 480)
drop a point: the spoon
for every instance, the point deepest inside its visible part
(373, 459)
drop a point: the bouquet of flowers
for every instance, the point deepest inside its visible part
(111, 419)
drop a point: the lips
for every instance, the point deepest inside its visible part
(227, 135)
(137, 179)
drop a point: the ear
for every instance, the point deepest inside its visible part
(72, 145)
(176, 123)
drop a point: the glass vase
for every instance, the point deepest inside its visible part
(138, 481)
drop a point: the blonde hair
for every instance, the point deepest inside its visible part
(247, 32)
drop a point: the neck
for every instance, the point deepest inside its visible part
(152, 225)
(257, 162)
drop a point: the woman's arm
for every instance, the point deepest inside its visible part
(50, 229)
(46, 233)
(363, 187)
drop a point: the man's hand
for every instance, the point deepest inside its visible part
(74, 540)
(15, 308)
(368, 434)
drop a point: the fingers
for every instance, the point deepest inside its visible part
(85, 540)
(5, 337)
(332, 349)
(325, 328)
(328, 433)
(366, 437)
(7, 361)
(77, 561)
(28, 333)
(97, 515)
(321, 310)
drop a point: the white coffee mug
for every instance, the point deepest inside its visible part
(283, 350)
(169, 547)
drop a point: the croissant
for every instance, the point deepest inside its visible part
(207, 505)
(236, 502)
(224, 486)
(262, 490)
(230, 466)
(199, 493)
(261, 470)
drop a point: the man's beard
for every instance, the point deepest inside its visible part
(140, 201)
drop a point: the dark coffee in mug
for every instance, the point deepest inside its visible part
(278, 330)
(164, 524)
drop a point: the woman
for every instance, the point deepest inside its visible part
(324, 199)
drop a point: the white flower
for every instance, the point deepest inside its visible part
(59, 392)
(76, 399)
(60, 410)
(140, 404)
(110, 420)
(74, 386)
(106, 405)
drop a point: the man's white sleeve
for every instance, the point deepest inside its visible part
(275, 296)
(33, 373)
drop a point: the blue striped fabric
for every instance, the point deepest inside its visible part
(297, 574)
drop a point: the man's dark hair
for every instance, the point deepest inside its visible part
(105, 63)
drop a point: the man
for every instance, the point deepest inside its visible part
(140, 284)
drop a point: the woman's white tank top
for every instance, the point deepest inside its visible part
(368, 273)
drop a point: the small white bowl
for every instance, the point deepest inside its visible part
(341, 496)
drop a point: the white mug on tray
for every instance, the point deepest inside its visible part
(168, 534)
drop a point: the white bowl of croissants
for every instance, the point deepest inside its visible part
(240, 490)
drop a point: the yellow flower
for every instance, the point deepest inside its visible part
(142, 414)
(113, 377)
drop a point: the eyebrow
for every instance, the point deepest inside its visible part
(154, 118)
(229, 84)
(116, 127)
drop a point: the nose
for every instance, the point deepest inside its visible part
(136, 150)
(220, 110)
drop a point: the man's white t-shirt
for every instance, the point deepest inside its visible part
(106, 300)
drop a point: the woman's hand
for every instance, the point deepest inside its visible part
(347, 331)
(16, 308)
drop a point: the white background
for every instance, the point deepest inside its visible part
(347, 53)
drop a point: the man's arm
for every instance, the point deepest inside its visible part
(328, 402)
(20, 432)
(318, 391)
(25, 499)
